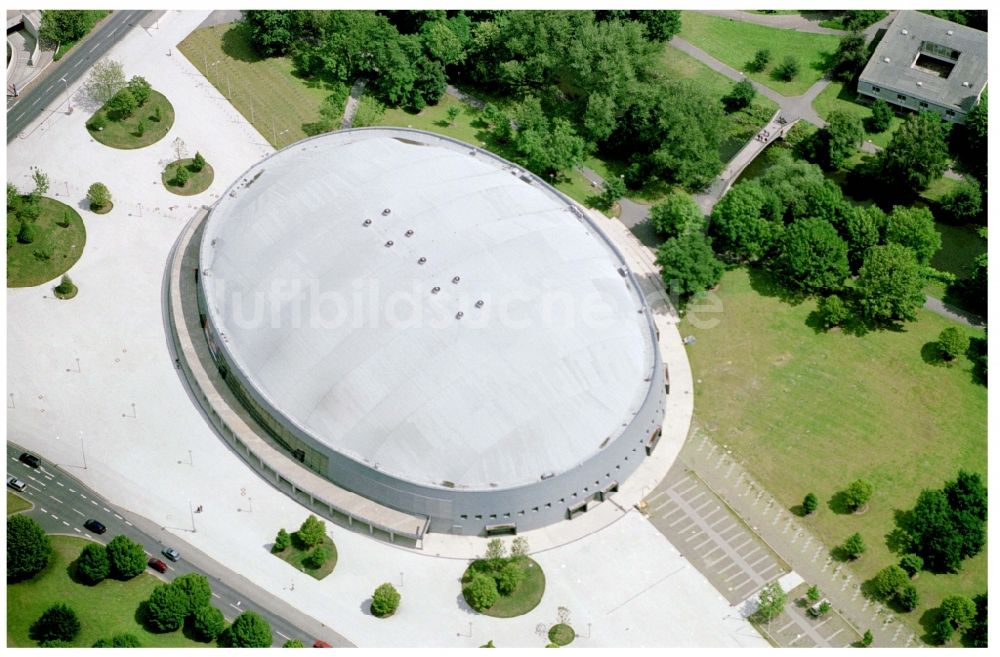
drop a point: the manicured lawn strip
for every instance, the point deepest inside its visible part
(196, 184)
(525, 597)
(106, 609)
(561, 634)
(837, 97)
(811, 412)
(24, 269)
(735, 42)
(296, 557)
(122, 134)
(265, 91)
(16, 503)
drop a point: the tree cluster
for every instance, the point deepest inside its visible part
(61, 26)
(126, 557)
(28, 548)
(948, 525)
(956, 613)
(123, 640)
(249, 630)
(170, 604)
(496, 574)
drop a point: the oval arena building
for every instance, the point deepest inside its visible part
(432, 328)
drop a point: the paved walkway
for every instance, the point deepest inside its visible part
(953, 313)
(807, 21)
(23, 71)
(786, 535)
(351, 105)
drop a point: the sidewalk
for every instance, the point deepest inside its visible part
(796, 21)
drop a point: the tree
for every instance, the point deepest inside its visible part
(508, 578)
(385, 600)
(787, 69)
(759, 61)
(676, 215)
(13, 197)
(249, 630)
(866, 639)
(181, 176)
(863, 227)
(65, 288)
(318, 557)
(840, 138)
(198, 163)
(292, 643)
(913, 228)
(850, 57)
(196, 589)
(179, 148)
(771, 602)
(857, 494)
(107, 78)
(917, 153)
(481, 591)
(688, 265)
(122, 105)
(890, 284)
(832, 311)
(811, 257)
(519, 547)
(272, 32)
(936, 536)
(978, 633)
(614, 189)
(453, 113)
(952, 342)
(209, 622)
(140, 128)
(495, 553)
(743, 223)
(813, 594)
(959, 611)
(907, 597)
(809, 503)
(99, 196)
(123, 640)
(854, 546)
(967, 494)
(92, 565)
(26, 233)
(888, 581)
(140, 89)
(127, 557)
(911, 563)
(166, 608)
(740, 96)
(660, 24)
(281, 541)
(41, 180)
(28, 548)
(65, 26)
(964, 202)
(57, 623)
(941, 631)
(859, 19)
(312, 532)
(881, 117)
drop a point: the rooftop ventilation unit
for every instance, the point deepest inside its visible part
(456, 280)
(388, 244)
(421, 261)
(367, 222)
(903, 32)
(409, 233)
(479, 304)
(386, 212)
(886, 60)
(459, 315)
(435, 289)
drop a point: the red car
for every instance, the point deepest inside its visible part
(321, 644)
(156, 564)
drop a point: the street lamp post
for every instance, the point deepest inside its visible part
(83, 452)
(191, 509)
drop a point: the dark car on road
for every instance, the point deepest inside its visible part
(157, 564)
(95, 526)
(30, 459)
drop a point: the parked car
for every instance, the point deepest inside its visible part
(30, 459)
(16, 483)
(157, 564)
(319, 643)
(95, 526)
(171, 554)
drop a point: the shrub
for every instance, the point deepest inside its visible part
(209, 622)
(26, 235)
(312, 531)
(941, 631)
(249, 630)
(198, 163)
(181, 176)
(857, 494)
(952, 342)
(292, 643)
(127, 557)
(281, 541)
(11, 237)
(157, 114)
(385, 600)
(813, 593)
(98, 122)
(166, 608)
(65, 288)
(453, 113)
(759, 61)
(13, 197)
(58, 623)
(92, 565)
(318, 557)
(98, 195)
(867, 639)
(854, 546)
(43, 253)
(122, 105)
(124, 640)
(140, 128)
(740, 96)
(888, 581)
(28, 548)
(911, 563)
(881, 117)
(140, 89)
(508, 578)
(481, 592)
(832, 311)
(196, 590)
(964, 202)
(907, 597)
(787, 69)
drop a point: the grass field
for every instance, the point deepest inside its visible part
(16, 503)
(837, 97)
(196, 184)
(524, 598)
(735, 42)
(124, 134)
(811, 412)
(106, 609)
(26, 265)
(265, 91)
(297, 557)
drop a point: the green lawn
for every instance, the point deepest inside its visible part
(26, 264)
(735, 42)
(16, 503)
(837, 97)
(196, 184)
(297, 557)
(811, 412)
(124, 134)
(265, 91)
(524, 598)
(106, 609)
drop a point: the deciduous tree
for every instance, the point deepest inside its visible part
(92, 565)
(688, 265)
(890, 284)
(676, 215)
(952, 342)
(917, 153)
(140, 89)
(811, 257)
(107, 78)
(28, 547)
(312, 532)
(208, 622)
(857, 494)
(98, 195)
(881, 117)
(122, 105)
(127, 558)
(249, 630)
(481, 591)
(57, 623)
(771, 601)
(385, 600)
(913, 228)
(809, 503)
(854, 546)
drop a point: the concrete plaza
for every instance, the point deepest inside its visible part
(96, 375)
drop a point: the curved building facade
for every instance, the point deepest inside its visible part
(432, 327)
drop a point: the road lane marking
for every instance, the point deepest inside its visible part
(77, 530)
(216, 595)
(129, 524)
(65, 523)
(283, 634)
(44, 510)
(56, 499)
(59, 483)
(235, 607)
(75, 511)
(48, 476)
(71, 490)
(16, 118)
(94, 503)
(119, 517)
(36, 488)
(96, 46)
(87, 535)
(54, 516)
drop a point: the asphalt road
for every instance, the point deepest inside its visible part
(47, 93)
(62, 504)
